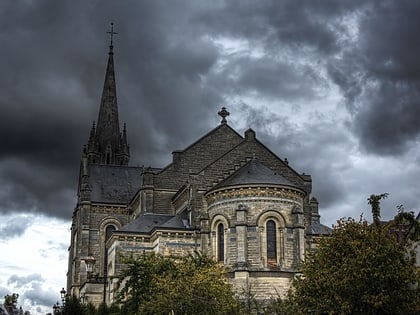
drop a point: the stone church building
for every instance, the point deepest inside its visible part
(226, 194)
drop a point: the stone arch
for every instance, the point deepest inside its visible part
(103, 238)
(216, 242)
(277, 222)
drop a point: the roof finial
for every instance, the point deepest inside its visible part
(223, 113)
(112, 33)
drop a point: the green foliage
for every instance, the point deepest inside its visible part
(360, 269)
(135, 283)
(89, 309)
(374, 201)
(10, 302)
(73, 306)
(104, 309)
(407, 220)
(195, 284)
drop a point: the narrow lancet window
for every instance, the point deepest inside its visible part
(220, 243)
(271, 240)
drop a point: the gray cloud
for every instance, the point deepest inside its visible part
(4, 291)
(173, 74)
(21, 281)
(32, 292)
(14, 227)
(37, 296)
(379, 76)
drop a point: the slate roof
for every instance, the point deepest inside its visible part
(255, 173)
(319, 229)
(149, 221)
(114, 184)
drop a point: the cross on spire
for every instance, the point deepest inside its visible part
(112, 33)
(223, 113)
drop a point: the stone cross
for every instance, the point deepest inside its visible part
(112, 33)
(223, 113)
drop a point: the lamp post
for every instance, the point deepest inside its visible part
(90, 262)
(90, 265)
(57, 309)
(63, 296)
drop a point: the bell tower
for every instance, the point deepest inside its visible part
(101, 201)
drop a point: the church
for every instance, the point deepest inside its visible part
(226, 195)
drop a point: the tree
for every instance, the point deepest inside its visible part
(360, 269)
(374, 201)
(408, 225)
(195, 284)
(135, 282)
(89, 309)
(10, 303)
(73, 306)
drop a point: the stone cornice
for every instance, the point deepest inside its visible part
(110, 209)
(255, 194)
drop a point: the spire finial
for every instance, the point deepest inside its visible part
(223, 113)
(111, 33)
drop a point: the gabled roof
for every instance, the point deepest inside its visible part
(255, 173)
(219, 139)
(114, 184)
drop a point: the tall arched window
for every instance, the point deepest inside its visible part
(109, 229)
(271, 240)
(220, 242)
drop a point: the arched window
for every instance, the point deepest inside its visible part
(109, 229)
(220, 242)
(271, 240)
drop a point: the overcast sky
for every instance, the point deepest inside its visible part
(333, 86)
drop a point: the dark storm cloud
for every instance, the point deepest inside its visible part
(273, 79)
(390, 124)
(301, 147)
(56, 56)
(380, 76)
(299, 24)
(173, 76)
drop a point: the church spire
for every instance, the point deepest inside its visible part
(108, 145)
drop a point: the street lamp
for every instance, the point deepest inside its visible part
(90, 267)
(63, 296)
(90, 264)
(56, 309)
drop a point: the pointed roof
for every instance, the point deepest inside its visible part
(107, 144)
(108, 126)
(255, 173)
